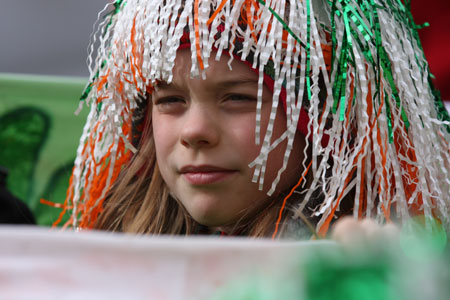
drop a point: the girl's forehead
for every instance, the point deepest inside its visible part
(223, 70)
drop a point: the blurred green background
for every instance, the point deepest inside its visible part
(39, 135)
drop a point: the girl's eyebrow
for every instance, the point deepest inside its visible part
(235, 82)
(162, 85)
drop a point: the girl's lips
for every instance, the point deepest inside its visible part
(201, 178)
(205, 174)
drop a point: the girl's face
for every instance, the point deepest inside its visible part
(204, 132)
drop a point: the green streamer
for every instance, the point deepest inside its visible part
(389, 120)
(347, 37)
(99, 107)
(382, 60)
(117, 7)
(341, 73)
(359, 22)
(333, 33)
(426, 24)
(355, 27)
(308, 48)
(376, 62)
(86, 91)
(285, 26)
(400, 4)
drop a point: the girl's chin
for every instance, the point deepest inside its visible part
(214, 219)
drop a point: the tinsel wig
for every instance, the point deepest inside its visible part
(350, 74)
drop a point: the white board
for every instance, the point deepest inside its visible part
(39, 263)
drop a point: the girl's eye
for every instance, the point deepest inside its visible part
(168, 100)
(169, 104)
(239, 103)
(240, 97)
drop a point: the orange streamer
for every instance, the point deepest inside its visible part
(280, 214)
(325, 226)
(214, 15)
(197, 36)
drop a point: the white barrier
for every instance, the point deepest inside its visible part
(42, 264)
(39, 263)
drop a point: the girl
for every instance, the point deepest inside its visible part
(259, 118)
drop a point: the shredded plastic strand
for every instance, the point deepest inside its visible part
(378, 122)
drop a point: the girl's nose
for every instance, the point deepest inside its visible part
(199, 128)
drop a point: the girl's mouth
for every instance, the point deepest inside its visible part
(205, 174)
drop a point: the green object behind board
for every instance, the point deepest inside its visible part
(39, 135)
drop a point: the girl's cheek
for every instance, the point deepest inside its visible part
(163, 135)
